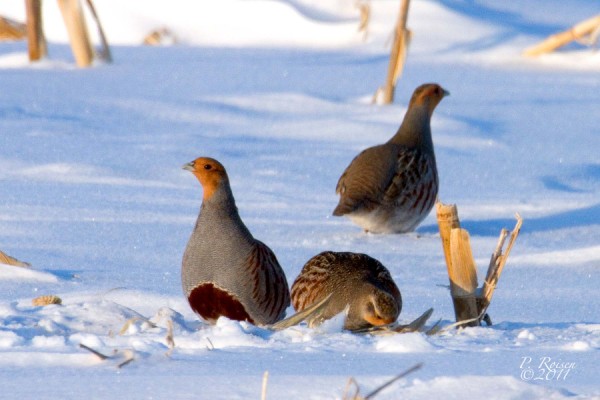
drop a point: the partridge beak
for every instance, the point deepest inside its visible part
(446, 93)
(189, 166)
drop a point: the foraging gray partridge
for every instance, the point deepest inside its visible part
(352, 279)
(390, 188)
(225, 271)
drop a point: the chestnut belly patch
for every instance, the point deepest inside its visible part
(212, 302)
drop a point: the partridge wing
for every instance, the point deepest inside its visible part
(363, 183)
(269, 284)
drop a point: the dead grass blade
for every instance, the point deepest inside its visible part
(356, 395)
(436, 328)
(310, 314)
(416, 325)
(8, 260)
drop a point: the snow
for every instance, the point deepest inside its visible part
(93, 196)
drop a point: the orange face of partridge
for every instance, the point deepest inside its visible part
(380, 309)
(428, 95)
(209, 172)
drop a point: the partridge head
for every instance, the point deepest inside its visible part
(391, 187)
(225, 270)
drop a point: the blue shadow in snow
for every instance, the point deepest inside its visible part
(553, 183)
(510, 20)
(568, 219)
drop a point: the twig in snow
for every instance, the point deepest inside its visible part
(169, 338)
(95, 352)
(210, 346)
(132, 321)
(357, 396)
(394, 379)
(265, 380)
(128, 358)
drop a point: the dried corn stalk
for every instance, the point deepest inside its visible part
(74, 19)
(589, 27)
(470, 303)
(398, 54)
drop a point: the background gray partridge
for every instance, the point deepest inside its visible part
(390, 188)
(225, 271)
(353, 279)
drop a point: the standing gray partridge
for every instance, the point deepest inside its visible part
(353, 279)
(225, 271)
(390, 188)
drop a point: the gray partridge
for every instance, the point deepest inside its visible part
(225, 271)
(353, 279)
(390, 188)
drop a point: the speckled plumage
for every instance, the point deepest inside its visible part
(225, 270)
(390, 188)
(353, 279)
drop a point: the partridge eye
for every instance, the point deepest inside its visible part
(207, 167)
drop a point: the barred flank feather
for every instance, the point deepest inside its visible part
(268, 279)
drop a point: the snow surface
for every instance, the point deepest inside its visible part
(93, 196)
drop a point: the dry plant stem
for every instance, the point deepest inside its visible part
(462, 271)
(78, 35)
(557, 40)
(459, 324)
(8, 260)
(169, 339)
(132, 321)
(355, 395)
(95, 352)
(364, 7)
(310, 314)
(447, 217)
(415, 325)
(397, 377)
(463, 277)
(497, 263)
(436, 328)
(12, 30)
(496, 254)
(398, 54)
(36, 42)
(128, 358)
(265, 380)
(105, 52)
